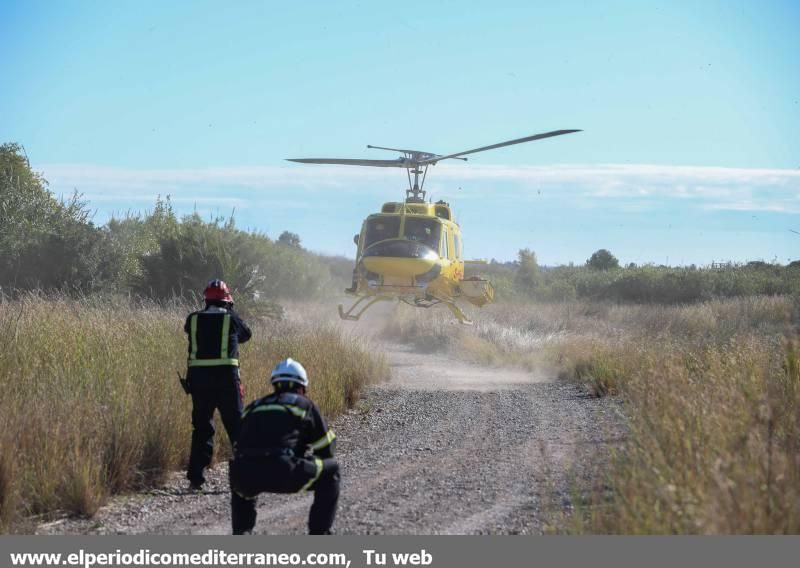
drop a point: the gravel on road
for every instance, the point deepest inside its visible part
(445, 447)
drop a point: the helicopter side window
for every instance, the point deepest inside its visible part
(425, 231)
(458, 252)
(381, 228)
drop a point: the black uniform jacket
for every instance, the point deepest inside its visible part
(214, 337)
(284, 421)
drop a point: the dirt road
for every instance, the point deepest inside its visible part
(444, 448)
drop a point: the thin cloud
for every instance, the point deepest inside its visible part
(252, 178)
(767, 206)
(714, 188)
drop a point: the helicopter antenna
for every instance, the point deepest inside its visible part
(416, 161)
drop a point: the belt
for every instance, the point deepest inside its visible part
(264, 452)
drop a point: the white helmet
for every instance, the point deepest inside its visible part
(289, 371)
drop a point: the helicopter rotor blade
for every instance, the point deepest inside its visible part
(398, 163)
(498, 145)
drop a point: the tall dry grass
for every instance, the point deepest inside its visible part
(710, 394)
(714, 440)
(91, 405)
(712, 399)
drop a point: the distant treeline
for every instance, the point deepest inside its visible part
(601, 278)
(51, 244)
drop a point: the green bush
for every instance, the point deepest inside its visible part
(641, 284)
(47, 244)
(44, 242)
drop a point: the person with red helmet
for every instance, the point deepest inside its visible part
(213, 374)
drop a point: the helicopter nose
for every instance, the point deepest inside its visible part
(400, 257)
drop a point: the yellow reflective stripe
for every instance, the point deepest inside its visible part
(245, 497)
(226, 329)
(269, 407)
(311, 481)
(296, 410)
(213, 362)
(324, 441)
(193, 336)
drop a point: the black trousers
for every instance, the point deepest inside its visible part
(284, 474)
(213, 388)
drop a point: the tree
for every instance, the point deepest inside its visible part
(197, 252)
(256, 268)
(602, 260)
(526, 279)
(135, 236)
(26, 205)
(289, 239)
(44, 242)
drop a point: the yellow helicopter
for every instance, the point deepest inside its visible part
(413, 251)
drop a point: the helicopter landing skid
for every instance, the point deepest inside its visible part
(420, 302)
(459, 313)
(350, 316)
(454, 309)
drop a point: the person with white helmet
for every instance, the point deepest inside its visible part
(284, 446)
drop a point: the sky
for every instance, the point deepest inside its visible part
(690, 111)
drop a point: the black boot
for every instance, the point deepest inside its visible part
(326, 497)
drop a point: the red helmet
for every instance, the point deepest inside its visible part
(217, 290)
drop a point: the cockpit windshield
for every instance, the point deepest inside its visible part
(381, 228)
(422, 230)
